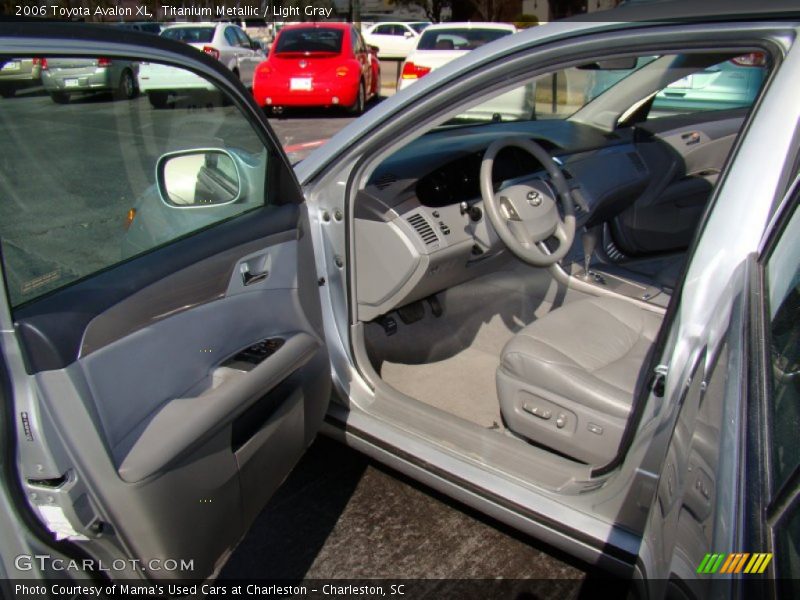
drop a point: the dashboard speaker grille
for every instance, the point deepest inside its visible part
(423, 228)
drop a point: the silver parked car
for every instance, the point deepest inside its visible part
(18, 74)
(64, 77)
(583, 323)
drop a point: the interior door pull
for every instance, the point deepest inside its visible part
(249, 278)
(691, 138)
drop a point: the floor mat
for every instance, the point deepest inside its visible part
(463, 385)
(449, 362)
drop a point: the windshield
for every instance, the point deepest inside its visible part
(667, 85)
(459, 38)
(418, 27)
(318, 39)
(190, 35)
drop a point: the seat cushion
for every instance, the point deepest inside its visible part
(590, 351)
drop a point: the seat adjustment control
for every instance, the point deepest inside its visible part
(595, 428)
(537, 411)
(561, 420)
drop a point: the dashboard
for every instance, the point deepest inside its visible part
(419, 222)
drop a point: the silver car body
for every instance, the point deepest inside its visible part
(63, 77)
(229, 40)
(19, 74)
(618, 516)
(712, 286)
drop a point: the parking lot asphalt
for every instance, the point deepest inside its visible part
(341, 515)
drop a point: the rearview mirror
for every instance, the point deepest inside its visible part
(613, 64)
(197, 178)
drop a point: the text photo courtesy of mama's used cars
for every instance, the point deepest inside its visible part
(548, 274)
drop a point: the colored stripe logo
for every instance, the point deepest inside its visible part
(737, 562)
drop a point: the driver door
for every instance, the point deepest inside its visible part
(163, 358)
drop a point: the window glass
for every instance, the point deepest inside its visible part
(89, 179)
(418, 27)
(699, 82)
(190, 35)
(231, 37)
(383, 30)
(729, 84)
(317, 39)
(459, 38)
(783, 297)
(244, 39)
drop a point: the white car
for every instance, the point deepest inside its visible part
(443, 42)
(394, 40)
(226, 42)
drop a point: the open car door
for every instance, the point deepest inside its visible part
(162, 343)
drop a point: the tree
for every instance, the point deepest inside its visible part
(489, 10)
(433, 8)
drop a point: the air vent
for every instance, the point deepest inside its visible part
(385, 181)
(637, 162)
(424, 230)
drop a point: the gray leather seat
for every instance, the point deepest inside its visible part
(567, 380)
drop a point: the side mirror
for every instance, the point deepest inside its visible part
(198, 178)
(373, 49)
(408, 35)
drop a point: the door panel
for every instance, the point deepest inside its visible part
(163, 402)
(688, 152)
(174, 363)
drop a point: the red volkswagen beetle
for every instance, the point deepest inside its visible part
(318, 64)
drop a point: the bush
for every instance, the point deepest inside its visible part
(524, 21)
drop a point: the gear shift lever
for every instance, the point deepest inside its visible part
(589, 239)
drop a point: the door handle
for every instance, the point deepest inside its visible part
(249, 278)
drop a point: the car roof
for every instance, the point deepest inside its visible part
(694, 11)
(198, 24)
(398, 23)
(471, 25)
(317, 25)
(677, 12)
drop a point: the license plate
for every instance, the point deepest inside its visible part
(70, 83)
(11, 66)
(300, 84)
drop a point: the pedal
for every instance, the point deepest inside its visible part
(411, 313)
(436, 307)
(389, 325)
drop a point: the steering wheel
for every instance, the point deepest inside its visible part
(525, 215)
